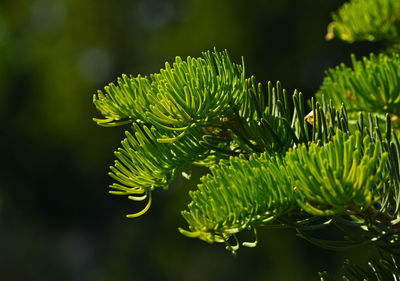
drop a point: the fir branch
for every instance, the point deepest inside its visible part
(191, 91)
(276, 167)
(385, 268)
(239, 195)
(342, 174)
(345, 178)
(268, 121)
(371, 85)
(197, 112)
(372, 20)
(144, 163)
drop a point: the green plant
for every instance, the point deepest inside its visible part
(271, 164)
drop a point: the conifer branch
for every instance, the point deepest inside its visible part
(233, 116)
(371, 85)
(230, 200)
(190, 92)
(346, 176)
(271, 164)
(372, 20)
(385, 268)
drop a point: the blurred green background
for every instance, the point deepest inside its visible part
(57, 221)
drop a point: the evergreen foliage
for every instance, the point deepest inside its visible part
(240, 194)
(343, 175)
(144, 163)
(386, 268)
(187, 94)
(218, 113)
(371, 85)
(360, 20)
(271, 164)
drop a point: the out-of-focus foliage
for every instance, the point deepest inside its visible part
(385, 268)
(371, 20)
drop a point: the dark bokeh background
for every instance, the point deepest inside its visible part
(57, 221)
